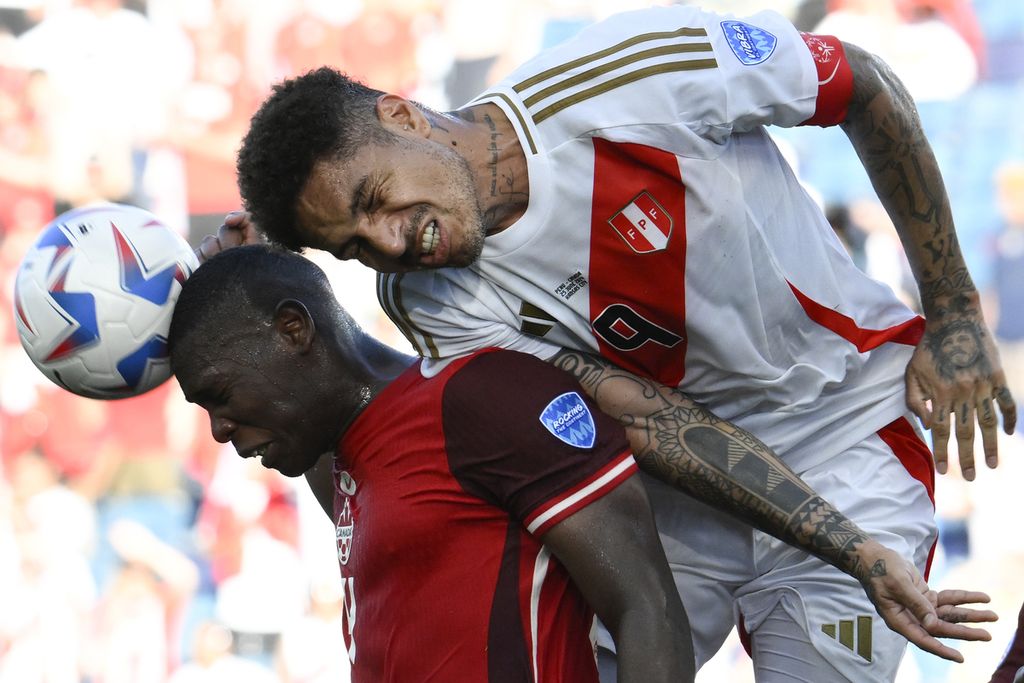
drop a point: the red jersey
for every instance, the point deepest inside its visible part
(443, 487)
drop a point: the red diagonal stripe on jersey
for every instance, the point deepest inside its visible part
(914, 454)
(908, 332)
(650, 284)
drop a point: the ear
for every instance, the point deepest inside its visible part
(401, 116)
(294, 324)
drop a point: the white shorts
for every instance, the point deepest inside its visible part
(729, 574)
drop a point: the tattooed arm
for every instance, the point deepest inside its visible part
(680, 442)
(956, 366)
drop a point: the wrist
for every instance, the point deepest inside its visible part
(869, 554)
(950, 297)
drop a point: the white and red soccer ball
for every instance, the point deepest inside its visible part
(94, 296)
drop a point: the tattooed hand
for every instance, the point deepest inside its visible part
(955, 371)
(909, 607)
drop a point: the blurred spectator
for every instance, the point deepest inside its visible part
(248, 526)
(213, 109)
(1002, 25)
(353, 43)
(957, 14)
(929, 55)
(312, 650)
(137, 622)
(478, 57)
(46, 589)
(311, 37)
(851, 236)
(808, 14)
(212, 660)
(135, 475)
(1008, 274)
(884, 258)
(103, 104)
(25, 195)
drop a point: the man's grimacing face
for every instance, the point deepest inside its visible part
(396, 207)
(257, 401)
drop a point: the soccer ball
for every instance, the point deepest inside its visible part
(93, 299)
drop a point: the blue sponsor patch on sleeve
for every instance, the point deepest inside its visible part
(750, 44)
(569, 419)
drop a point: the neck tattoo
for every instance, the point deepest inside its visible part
(493, 164)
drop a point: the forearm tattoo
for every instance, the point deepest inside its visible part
(678, 441)
(885, 130)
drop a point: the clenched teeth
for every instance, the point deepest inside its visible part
(430, 239)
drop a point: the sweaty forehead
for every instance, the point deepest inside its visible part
(200, 378)
(326, 195)
(191, 369)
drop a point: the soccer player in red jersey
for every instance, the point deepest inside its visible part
(483, 515)
(620, 195)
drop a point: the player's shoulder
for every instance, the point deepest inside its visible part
(617, 35)
(515, 370)
(514, 380)
(510, 402)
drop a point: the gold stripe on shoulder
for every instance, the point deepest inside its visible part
(676, 48)
(396, 293)
(622, 80)
(383, 287)
(635, 40)
(389, 293)
(522, 120)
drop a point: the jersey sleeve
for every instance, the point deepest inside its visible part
(521, 434)
(835, 80)
(767, 74)
(452, 313)
(677, 68)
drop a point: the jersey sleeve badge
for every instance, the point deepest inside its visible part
(750, 44)
(569, 419)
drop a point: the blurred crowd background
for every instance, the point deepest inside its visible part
(135, 549)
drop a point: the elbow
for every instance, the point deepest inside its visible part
(878, 94)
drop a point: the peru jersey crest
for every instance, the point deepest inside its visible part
(643, 224)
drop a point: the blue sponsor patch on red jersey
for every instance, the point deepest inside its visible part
(750, 44)
(570, 420)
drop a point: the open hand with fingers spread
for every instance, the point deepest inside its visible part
(921, 615)
(236, 230)
(955, 377)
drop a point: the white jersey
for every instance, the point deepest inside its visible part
(666, 232)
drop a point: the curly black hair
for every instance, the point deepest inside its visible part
(322, 114)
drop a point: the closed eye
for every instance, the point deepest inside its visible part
(350, 250)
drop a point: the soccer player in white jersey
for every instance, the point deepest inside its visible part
(619, 196)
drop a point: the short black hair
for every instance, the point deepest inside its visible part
(241, 287)
(322, 114)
